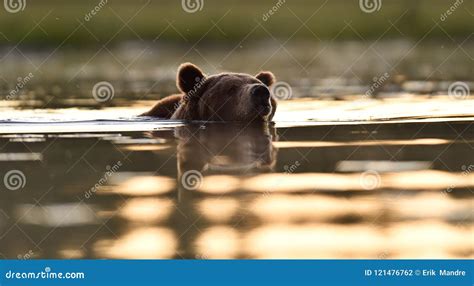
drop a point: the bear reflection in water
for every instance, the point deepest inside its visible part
(233, 149)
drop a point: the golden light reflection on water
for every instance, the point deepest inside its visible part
(141, 148)
(432, 205)
(313, 144)
(219, 184)
(402, 240)
(140, 242)
(284, 182)
(285, 208)
(430, 239)
(429, 180)
(219, 242)
(313, 240)
(218, 209)
(146, 210)
(71, 253)
(139, 185)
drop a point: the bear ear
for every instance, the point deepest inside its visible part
(266, 77)
(188, 77)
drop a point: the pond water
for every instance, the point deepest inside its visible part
(386, 178)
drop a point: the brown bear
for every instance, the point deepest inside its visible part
(220, 97)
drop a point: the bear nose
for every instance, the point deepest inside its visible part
(261, 93)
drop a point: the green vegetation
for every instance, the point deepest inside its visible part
(52, 22)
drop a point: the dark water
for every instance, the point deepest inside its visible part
(240, 191)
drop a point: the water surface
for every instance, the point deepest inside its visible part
(346, 182)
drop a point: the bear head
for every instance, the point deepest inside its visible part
(224, 96)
